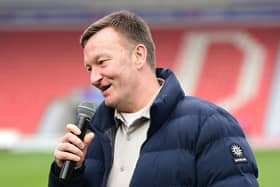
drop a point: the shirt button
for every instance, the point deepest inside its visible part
(122, 168)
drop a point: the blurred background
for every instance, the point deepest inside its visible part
(224, 51)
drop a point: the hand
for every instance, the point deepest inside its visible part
(71, 147)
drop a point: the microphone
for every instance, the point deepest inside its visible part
(86, 111)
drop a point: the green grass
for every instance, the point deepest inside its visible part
(24, 169)
(31, 169)
(269, 164)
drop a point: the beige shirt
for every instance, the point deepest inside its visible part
(131, 134)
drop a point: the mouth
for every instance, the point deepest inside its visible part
(104, 88)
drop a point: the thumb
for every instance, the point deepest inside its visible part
(88, 138)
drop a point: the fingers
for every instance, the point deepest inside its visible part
(73, 128)
(72, 138)
(88, 138)
(71, 147)
(67, 151)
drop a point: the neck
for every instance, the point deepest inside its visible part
(145, 90)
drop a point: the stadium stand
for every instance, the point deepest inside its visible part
(46, 66)
(226, 52)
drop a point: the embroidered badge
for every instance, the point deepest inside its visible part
(237, 153)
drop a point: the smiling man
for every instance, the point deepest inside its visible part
(116, 67)
(147, 132)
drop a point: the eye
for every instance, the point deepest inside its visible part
(88, 68)
(100, 62)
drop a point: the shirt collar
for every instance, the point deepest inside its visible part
(145, 112)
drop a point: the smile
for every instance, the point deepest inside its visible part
(104, 88)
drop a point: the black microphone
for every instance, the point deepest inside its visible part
(86, 111)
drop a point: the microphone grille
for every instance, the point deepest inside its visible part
(87, 109)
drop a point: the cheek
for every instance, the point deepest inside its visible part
(120, 70)
(109, 72)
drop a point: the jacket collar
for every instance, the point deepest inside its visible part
(167, 99)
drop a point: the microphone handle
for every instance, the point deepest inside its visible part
(68, 165)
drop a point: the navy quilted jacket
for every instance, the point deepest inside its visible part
(191, 143)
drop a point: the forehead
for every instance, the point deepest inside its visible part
(106, 36)
(107, 41)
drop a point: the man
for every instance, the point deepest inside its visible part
(147, 132)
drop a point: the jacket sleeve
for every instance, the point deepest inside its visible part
(224, 157)
(76, 179)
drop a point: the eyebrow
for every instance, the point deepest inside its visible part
(87, 65)
(102, 54)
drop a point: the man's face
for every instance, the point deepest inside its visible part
(108, 58)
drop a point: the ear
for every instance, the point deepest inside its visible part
(140, 55)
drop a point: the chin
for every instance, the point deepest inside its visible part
(109, 103)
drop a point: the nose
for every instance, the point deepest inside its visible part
(95, 77)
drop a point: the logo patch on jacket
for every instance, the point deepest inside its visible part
(237, 153)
